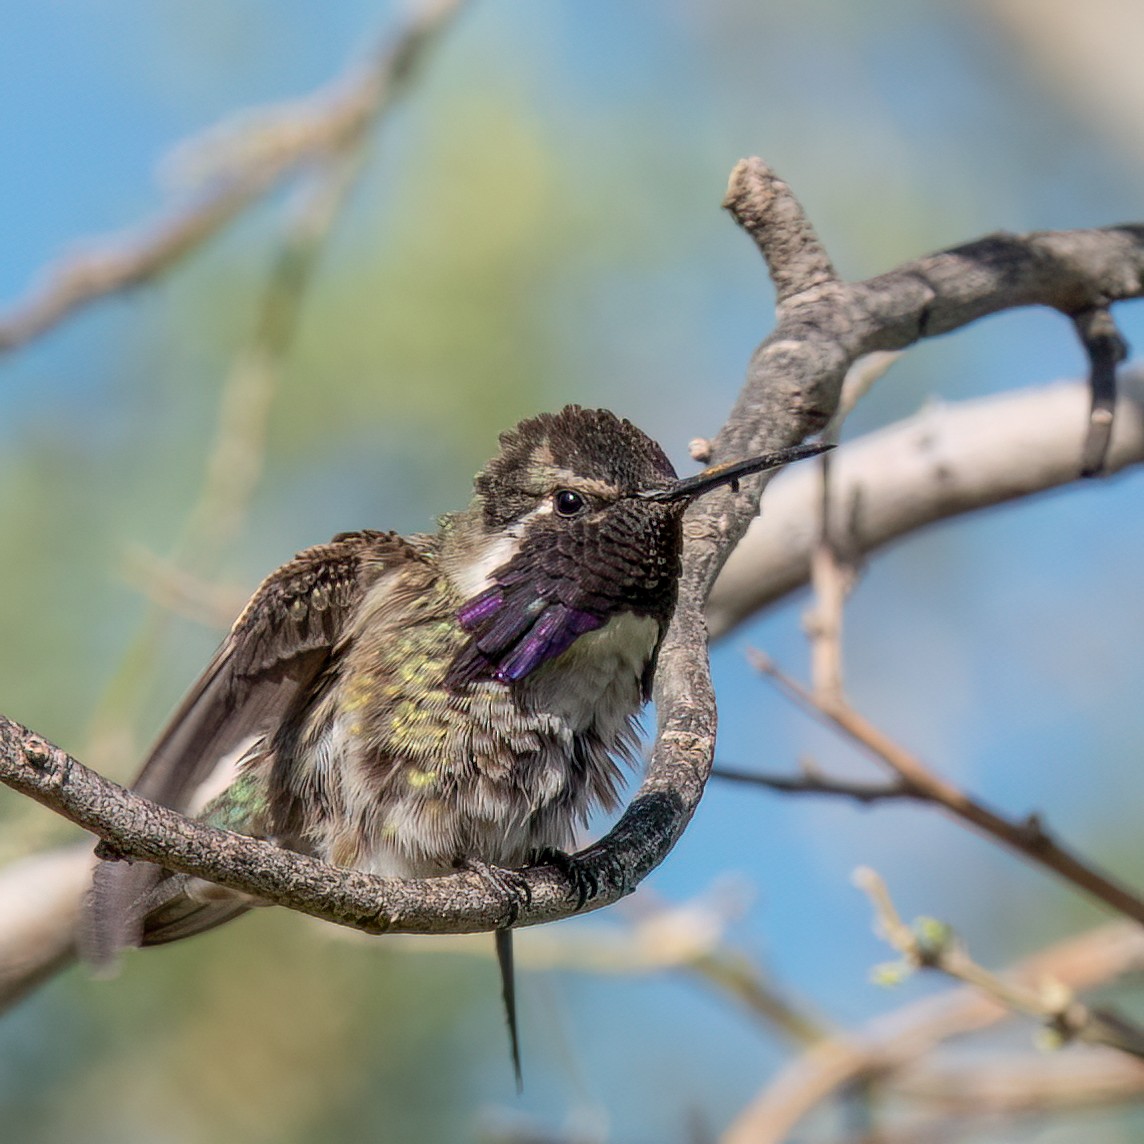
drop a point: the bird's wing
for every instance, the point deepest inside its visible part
(273, 653)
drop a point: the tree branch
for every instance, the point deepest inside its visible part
(812, 782)
(1009, 1084)
(1106, 349)
(792, 389)
(261, 149)
(945, 461)
(833, 563)
(138, 829)
(41, 897)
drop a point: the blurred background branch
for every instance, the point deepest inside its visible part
(902, 1040)
(234, 164)
(323, 139)
(932, 944)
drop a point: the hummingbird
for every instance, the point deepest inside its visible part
(409, 705)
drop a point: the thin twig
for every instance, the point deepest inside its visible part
(832, 577)
(834, 559)
(180, 592)
(235, 462)
(1029, 837)
(860, 379)
(1009, 1084)
(1106, 349)
(931, 945)
(813, 782)
(735, 974)
(267, 147)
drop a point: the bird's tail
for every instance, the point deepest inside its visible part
(508, 992)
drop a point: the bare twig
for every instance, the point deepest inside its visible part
(893, 1044)
(736, 975)
(764, 207)
(1029, 838)
(813, 782)
(944, 1094)
(931, 945)
(832, 579)
(833, 562)
(860, 379)
(1106, 349)
(235, 462)
(180, 592)
(1009, 1084)
(269, 146)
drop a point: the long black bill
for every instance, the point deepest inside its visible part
(730, 472)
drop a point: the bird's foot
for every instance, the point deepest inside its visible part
(584, 881)
(509, 885)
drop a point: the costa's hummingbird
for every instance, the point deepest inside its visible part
(405, 706)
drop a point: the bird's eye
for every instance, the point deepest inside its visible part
(568, 503)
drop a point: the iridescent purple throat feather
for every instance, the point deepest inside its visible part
(511, 641)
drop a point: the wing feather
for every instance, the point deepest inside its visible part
(275, 650)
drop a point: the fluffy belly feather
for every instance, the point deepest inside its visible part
(499, 773)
